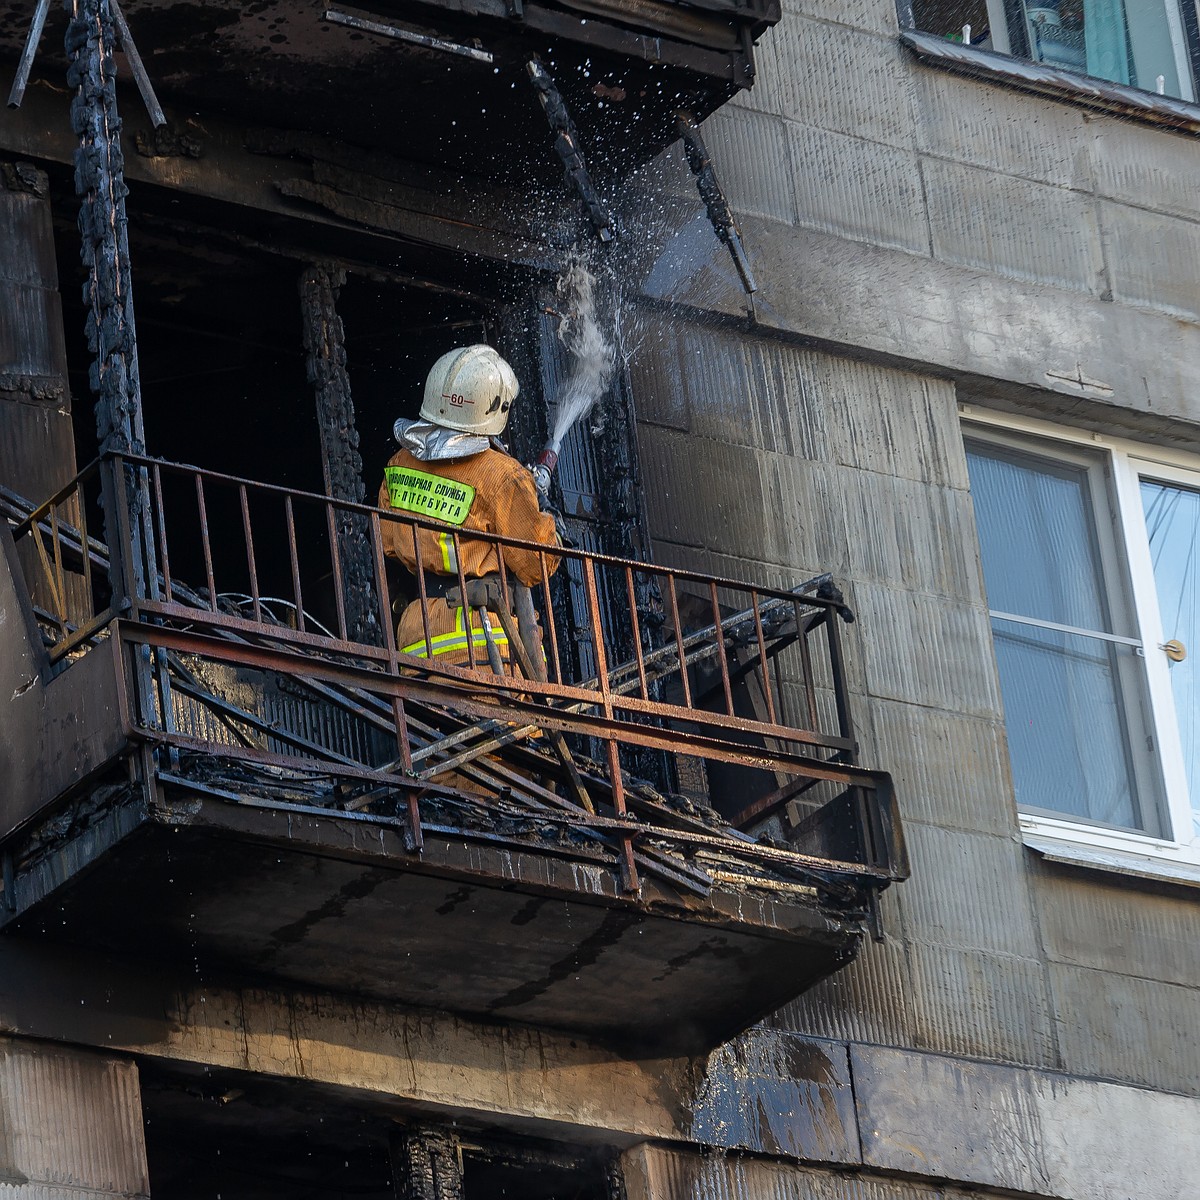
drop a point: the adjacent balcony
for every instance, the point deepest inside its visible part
(651, 837)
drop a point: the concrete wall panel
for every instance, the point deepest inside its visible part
(934, 652)
(789, 410)
(70, 1121)
(808, 514)
(1101, 1142)
(1026, 1130)
(929, 1116)
(836, 78)
(911, 535)
(864, 191)
(949, 769)
(1146, 168)
(1121, 1027)
(993, 127)
(1153, 259)
(875, 16)
(968, 891)
(868, 1001)
(779, 1094)
(706, 492)
(1110, 926)
(972, 217)
(980, 1005)
(659, 1173)
(750, 154)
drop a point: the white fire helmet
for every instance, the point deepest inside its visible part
(470, 390)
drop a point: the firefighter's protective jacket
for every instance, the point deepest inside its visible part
(489, 491)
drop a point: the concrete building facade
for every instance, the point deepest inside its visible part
(947, 255)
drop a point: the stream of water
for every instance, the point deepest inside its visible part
(590, 345)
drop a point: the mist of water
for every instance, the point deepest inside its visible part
(591, 346)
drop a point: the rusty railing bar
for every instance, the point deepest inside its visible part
(683, 661)
(58, 615)
(294, 562)
(251, 564)
(637, 634)
(36, 514)
(722, 656)
(161, 524)
(465, 610)
(335, 558)
(84, 551)
(202, 509)
(80, 634)
(59, 577)
(551, 624)
(617, 782)
(422, 592)
(762, 660)
(399, 713)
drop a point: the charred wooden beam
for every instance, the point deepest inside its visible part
(108, 292)
(325, 348)
(719, 212)
(426, 1165)
(566, 145)
(32, 39)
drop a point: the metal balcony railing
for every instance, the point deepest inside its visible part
(257, 629)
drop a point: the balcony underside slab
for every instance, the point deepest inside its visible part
(336, 902)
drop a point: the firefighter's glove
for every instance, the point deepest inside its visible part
(560, 524)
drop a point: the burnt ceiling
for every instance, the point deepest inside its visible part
(282, 64)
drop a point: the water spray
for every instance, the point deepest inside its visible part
(593, 357)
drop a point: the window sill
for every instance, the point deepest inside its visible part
(1143, 858)
(1115, 98)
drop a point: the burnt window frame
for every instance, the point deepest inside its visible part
(1023, 74)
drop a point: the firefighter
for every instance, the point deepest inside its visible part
(452, 469)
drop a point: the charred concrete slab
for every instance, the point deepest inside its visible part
(446, 86)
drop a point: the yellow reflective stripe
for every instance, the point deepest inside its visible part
(449, 558)
(443, 642)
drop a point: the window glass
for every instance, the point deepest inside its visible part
(1040, 557)
(1173, 526)
(1148, 44)
(1066, 691)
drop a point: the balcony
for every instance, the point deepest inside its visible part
(225, 760)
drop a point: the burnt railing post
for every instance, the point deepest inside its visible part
(112, 335)
(325, 348)
(108, 292)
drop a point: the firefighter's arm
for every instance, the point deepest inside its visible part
(527, 522)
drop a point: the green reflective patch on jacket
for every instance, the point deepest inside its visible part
(428, 495)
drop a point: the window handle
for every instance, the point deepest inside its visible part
(1175, 650)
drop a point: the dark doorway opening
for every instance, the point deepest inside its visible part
(223, 1135)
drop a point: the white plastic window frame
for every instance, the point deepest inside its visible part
(1129, 462)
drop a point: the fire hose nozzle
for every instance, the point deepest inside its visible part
(543, 468)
